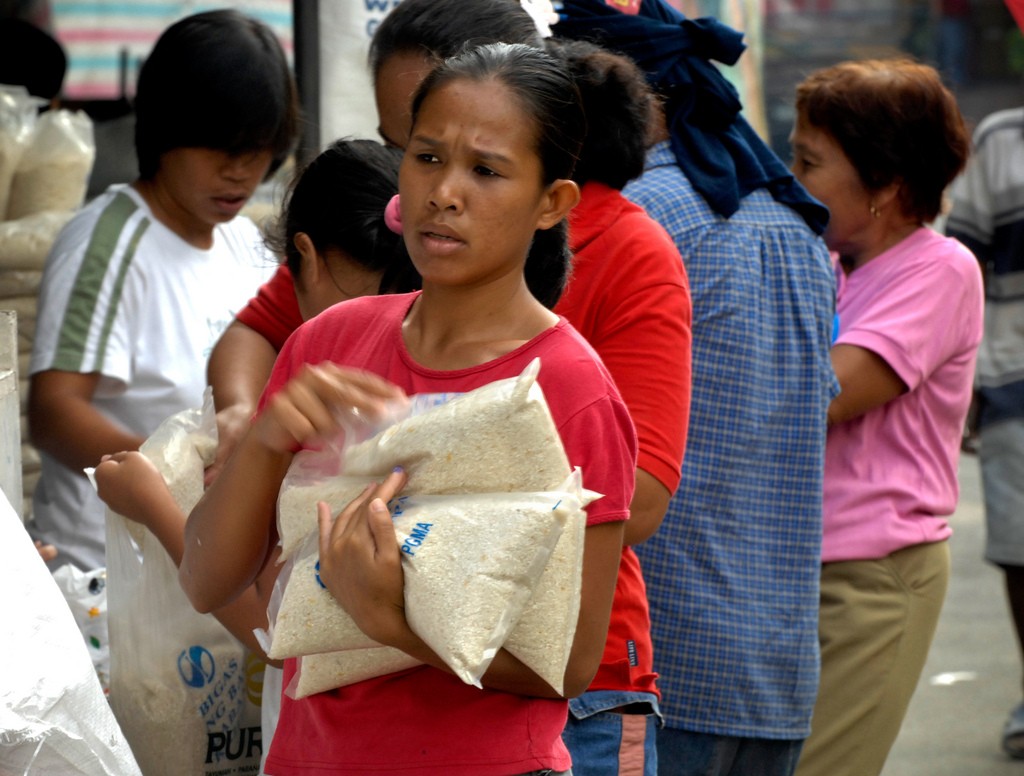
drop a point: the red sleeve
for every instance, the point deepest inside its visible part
(634, 309)
(274, 311)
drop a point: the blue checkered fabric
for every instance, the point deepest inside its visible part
(733, 572)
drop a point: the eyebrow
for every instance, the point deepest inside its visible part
(483, 155)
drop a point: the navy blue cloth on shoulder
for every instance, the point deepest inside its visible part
(717, 150)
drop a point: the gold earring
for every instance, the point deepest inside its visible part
(875, 212)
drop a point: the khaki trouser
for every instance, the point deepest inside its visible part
(876, 624)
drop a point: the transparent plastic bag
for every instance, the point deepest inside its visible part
(53, 172)
(184, 690)
(499, 438)
(470, 562)
(26, 242)
(18, 112)
(330, 670)
(502, 435)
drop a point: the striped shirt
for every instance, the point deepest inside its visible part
(733, 573)
(988, 217)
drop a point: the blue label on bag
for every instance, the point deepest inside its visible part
(416, 538)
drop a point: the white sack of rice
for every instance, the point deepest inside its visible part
(330, 670)
(312, 476)
(182, 687)
(499, 438)
(470, 563)
(304, 618)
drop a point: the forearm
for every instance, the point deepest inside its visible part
(239, 366)
(228, 535)
(647, 510)
(75, 433)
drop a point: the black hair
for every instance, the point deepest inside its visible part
(215, 80)
(547, 94)
(439, 29)
(32, 58)
(618, 104)
(338, 199)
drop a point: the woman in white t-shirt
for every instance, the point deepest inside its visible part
(140, 283)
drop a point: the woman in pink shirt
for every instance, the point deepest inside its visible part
(878, 142)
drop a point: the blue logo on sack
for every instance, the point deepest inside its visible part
(195, 664)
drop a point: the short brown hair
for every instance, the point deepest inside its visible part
(894, 120)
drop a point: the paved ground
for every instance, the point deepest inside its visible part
(972, 677)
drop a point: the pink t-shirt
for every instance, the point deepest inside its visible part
(891, 474)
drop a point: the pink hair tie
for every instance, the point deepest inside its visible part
(393, 216)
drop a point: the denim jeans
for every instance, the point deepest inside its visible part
(682, 753)
(612, 733)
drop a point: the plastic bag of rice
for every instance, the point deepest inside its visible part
(303, 617)
(312, 477)
(330, 670)
(542, 639)
(470, 562)
(185, 692)
(499, 438)
(18, 111)
(25, 243)
(53, 172)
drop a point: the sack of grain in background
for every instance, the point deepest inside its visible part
(25, 243)
(18, 115)
(53, 172)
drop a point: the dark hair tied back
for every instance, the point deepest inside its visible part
(548, 95)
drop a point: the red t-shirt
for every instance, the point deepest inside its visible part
(629, 298)
(426, 721)
(274, 311)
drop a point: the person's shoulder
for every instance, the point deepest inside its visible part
(998, 124)
(362, 313)
(927, 248)
(106, 216)
(567, 357)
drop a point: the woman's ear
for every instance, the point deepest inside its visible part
(311, 264)
(561, 196)
(887, 195)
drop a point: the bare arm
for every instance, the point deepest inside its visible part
(647, 510)
(64, 422)
(361, 565)
(866, 381)
(231, 531)
(131, 486)
(238, 369)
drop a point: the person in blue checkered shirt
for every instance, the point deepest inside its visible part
(732, 572)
